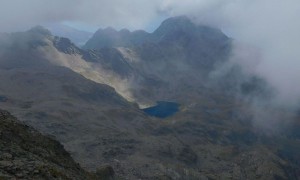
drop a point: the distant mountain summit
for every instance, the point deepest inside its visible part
(179, 23)
(109, 37)
(177, 28)
(40, 30)
(169, 29)
(200, 46)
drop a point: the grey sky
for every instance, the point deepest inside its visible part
(271, 26)
(20, 14)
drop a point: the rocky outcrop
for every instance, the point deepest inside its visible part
(27, 154)
(66, 46)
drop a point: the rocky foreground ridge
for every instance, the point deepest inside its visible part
(27, 154)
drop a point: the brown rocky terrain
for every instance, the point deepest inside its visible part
(27, 154)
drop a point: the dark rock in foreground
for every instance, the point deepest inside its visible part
(27, 154)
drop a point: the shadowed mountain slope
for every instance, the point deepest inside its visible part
(27, 154)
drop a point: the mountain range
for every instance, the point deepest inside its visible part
(91, 100)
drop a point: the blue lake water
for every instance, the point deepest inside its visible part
(163, 109)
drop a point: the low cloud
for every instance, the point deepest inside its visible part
(19, 14)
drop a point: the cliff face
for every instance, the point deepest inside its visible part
(27, 154)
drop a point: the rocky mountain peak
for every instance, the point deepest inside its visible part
(66, 46)
(109, 37)
(40, 30)
(180, 26)
(109, 31)
(182, 23)
(124, 31)
(172, 29)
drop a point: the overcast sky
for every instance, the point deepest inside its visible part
(272, 26)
